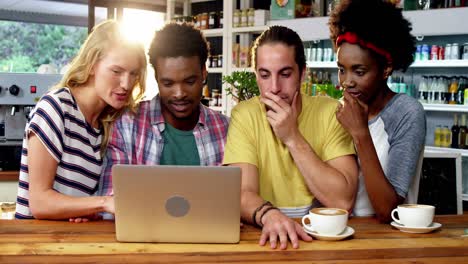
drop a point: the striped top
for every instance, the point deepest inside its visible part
(71, 141)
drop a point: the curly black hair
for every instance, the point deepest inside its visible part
(377, 22)
(178, 40)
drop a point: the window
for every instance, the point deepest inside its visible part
(26, 46)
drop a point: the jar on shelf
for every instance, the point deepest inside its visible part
(220, 61)
(236, 18)
(206, 92)
(251, 17)
(213, 20)
(204, 21)
(196, 21)
(216, 97)
(221, 19)
(214, 62)
(244, 17)
(465, 51)
(209, 61)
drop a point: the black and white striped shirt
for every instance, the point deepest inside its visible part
(71, 141)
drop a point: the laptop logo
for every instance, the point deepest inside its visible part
(177, 206)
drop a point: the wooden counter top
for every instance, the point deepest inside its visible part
(9, 176)
(35, 241)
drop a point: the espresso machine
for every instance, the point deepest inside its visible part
(19, 92)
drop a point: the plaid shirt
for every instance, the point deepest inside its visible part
(138, 139)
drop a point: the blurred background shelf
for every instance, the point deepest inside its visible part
(446, 108)
(463, 152)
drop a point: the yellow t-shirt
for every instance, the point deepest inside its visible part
(251, 140)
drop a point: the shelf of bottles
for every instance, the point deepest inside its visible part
(452, 139)
(319, 83)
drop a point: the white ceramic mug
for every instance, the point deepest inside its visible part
(326, 221)
(414, 215)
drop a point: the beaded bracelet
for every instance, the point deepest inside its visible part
(254, 215)
(264, 212)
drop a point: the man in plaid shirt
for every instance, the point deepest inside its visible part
(173, 128)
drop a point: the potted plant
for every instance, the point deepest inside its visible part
(242, 85)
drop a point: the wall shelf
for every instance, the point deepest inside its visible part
(463, 152)
(255, 29)
(215, 70)
(322, 64)
(416, 64)
(433, 22)
(248, 69)
(440, 64)
(446, 108)
(215, 32)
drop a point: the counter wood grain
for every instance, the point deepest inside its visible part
(9, 176)
(35, 241)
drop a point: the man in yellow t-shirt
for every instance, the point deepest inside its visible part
(290, 147)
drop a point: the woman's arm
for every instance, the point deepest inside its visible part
(353, 116)
(44, 201)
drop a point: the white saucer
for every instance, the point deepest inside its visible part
(416, 230)
(349, 231)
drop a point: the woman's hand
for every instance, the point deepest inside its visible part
(353, 115)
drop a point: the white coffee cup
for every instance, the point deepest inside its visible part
(414, 215)
(326, 221)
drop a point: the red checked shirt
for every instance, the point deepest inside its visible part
(138, 139)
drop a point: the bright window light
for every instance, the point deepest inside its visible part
(140, 25)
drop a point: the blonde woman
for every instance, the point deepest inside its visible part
(68, 130)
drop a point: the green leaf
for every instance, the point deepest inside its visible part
(242, 85)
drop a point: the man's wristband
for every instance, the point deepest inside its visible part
(254, 215)
(264, 212)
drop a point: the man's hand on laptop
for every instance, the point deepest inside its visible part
(277, 225)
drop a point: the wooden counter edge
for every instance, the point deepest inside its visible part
(9, 176)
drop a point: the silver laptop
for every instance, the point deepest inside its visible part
(177, 204)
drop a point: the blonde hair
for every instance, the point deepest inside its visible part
(104, 36)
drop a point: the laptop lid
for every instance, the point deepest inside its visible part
(178, 204)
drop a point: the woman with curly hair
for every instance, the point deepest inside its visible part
(372, 39)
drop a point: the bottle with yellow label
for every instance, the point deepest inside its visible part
(437, 136)
(446, 137)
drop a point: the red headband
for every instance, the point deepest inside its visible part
(352, 38)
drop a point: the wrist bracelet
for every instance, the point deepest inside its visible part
(254, 215)
(264, 212)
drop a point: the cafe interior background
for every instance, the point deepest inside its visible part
(39, 37)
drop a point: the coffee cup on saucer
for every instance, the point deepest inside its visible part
(326, 221)
(414, 215)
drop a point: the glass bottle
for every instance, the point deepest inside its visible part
(236, 18)
(462, 135)
(455, 132)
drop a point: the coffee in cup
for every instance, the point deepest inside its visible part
(414, 215)
(326, 221)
